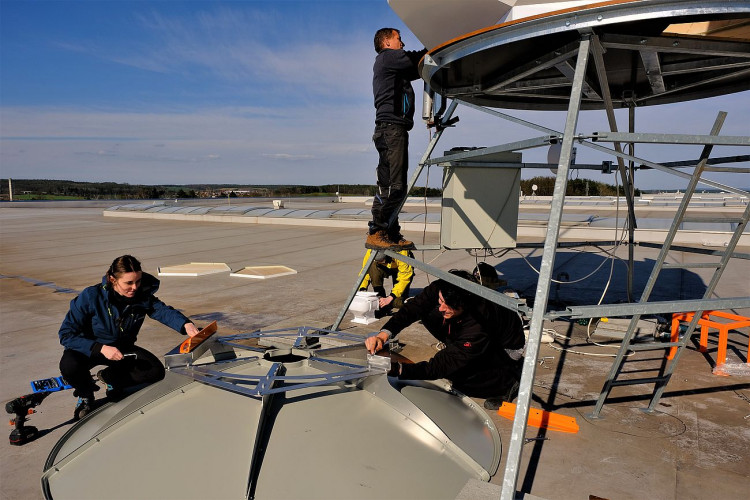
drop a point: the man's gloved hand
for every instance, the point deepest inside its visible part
(395, 370)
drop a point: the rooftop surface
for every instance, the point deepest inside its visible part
(697, 445)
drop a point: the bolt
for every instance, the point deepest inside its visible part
(530, 440)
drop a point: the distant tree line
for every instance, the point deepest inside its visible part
(576, 187)
(50, 188)
(63, 189)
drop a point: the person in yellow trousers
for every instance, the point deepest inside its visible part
(400, 272)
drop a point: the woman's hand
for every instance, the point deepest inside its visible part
(111, 352)
(191, 329)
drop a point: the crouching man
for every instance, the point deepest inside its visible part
(483, 342)
(400, 272)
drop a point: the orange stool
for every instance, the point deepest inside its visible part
(709, 319)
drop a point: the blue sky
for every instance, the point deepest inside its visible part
(240, 92)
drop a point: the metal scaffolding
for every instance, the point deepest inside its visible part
(575, 60)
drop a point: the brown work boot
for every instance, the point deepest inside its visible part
(401, 243)
(378, 241)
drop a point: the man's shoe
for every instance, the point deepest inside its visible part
(378, 241)
(493, 403)
(508, 395)
(402, 243)
(84, 406)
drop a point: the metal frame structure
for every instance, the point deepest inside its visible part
(328, 359)
(476, 71)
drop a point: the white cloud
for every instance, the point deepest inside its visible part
(232, 46)
(207, 146)
(287, 156)
(305, 145)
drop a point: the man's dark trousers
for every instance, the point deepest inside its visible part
(392, 142)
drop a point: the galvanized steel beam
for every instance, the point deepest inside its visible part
(513, 460)
(667, 306)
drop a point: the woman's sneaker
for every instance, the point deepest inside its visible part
(84, 406)
(113, 394)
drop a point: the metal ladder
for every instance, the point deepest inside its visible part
(662, 380)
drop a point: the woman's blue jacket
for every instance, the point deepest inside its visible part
(95, 319)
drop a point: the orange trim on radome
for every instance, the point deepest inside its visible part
(525, 19)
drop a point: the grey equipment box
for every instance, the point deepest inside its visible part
(480, 202)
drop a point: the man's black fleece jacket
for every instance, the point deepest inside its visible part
(392, 74)
(474, 358)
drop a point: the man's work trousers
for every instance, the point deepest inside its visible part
(392, 142)
(378, 274)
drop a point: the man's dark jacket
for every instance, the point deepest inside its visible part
(474, 358)
(100, 316)
(392, 74)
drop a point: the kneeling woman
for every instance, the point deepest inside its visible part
(101, 328)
